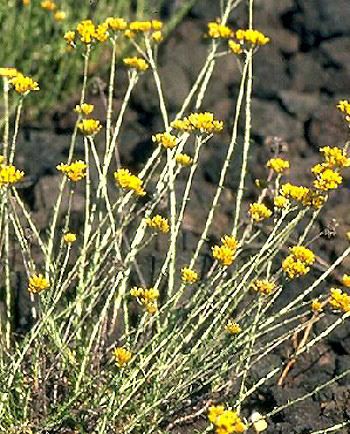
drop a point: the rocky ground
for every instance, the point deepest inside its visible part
(298, 79)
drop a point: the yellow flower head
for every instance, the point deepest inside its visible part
(157, 36)
(234, 47)
(265, 287)
(26, 2)
(303, 254)
(340, 300)
(183, 160)
(225, 421)
(136, 63)
(344, 107)
(86, 30)
(116, 24)
(335, 157)
(101, 32)
(233, 328)
(156, 25)
(298, 193)
(89, 127)
(188, 275)
(281, 202)
(316, 305)
(147, 297)
(23, 84)
(219, 31)
(122, 356)
(69, 37)
(328, 180)
(48, 5)
(224, 255)
(141, 26)
(37, 283)
(84, 108)
(294, 268)
(259, 212)
(159, 223)
(229, 242)
(253, 37)
(9, 175)
(205, 123)
(278, 165)
(296, 264)
(199, 122)
(59, 16)
(126, 180)
(69, 238)
(167, 140)
(75, 171)
(346, 280)
(8, 72)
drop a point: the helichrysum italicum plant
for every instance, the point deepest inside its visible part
(120, 348)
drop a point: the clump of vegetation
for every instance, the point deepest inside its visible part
(110, 351)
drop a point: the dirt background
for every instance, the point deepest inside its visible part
(298, 79)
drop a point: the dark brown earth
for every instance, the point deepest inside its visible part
(298, 79)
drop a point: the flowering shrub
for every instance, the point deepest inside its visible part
(110, 351)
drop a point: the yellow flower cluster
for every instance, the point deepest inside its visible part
(296, 192)
(37, 283)
(328, 180)
(340, 300)
(159, 223)
(233, 328)
(69, 37)
(69, 238)
(344, 107)
(89, 127)
(147, 297)
(278, 165)
(85, 109)
(48, 5)
(127, 180)
(219, 31)
(8, 72)
(183, 160)
(87, 31)
(116, 24)
(59, 16)
(188, 275)
(225, 253)
(9, 174)
(122, 356)
(346, 280)
(302, 195)
(145, 26)
(280, 202)
(335, 157)
(167, 140)
(136, 63)
(75, 171)
(199, 122)
(327, 173)
(251, 36)
(225, 421)
(297, 263)
(259, 212)
(153, 28)
(263, 286)
(234, 47)
(23, 84)
(316, 305)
